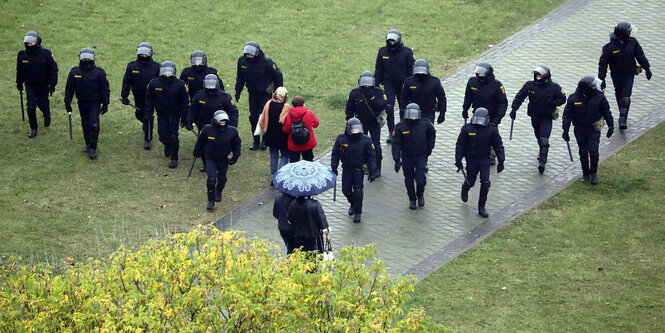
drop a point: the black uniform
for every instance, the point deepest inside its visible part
(206, 102)
(366, 103)
(168, 97)
(37, 68)
(426, 91)
(621, 56)
(393, 65)
(413, 141)
(583, 110)
(261, 76)
(544, 96)
(280, 210)
(91, 86)
(137, 76)
(216, 142)
(486, 93)
(353, 150)
(193, 77)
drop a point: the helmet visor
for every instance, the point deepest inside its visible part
(540, 71)
(597, 83)
(87, 55)
(210, 83)
(144, 50)
(420, 70)
(392, 36)
(167, 71)
(356, 128)
(250, 49)
(412, 113)
(480, 70)
(197, 61)
(480, 119)
(30, 39)
(366, 81)
(221, 116)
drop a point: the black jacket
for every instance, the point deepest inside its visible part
(275, 137)
(621, 57)
(167, 96)
(36, 67)
(393, 66)
(137, 76)
(307, 218)
(366, 104)
(488, 94)
(584, 110)
(260, 75)
(413, 138)
(544, 97)
(205, 103)
(193, 77)
(475, 141)
(354, 151)
(90, 85)
(217, 142)
(427, 93)
(280, 210)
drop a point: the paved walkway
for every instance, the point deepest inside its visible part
(569, 41)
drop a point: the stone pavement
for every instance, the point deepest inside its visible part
(569, 41)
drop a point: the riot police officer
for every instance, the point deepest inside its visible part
(544, 97)
(137, 76)
(168, 97)
(588, 109)
(91, 86)
(426, 91)
(473, 144)
(620, 54)
(366, 103)
(354, 149)
(36, 67)
(193, 76)
(413, 141)
(485, 91)
(261, 76)
(216, 141)
(394, 63)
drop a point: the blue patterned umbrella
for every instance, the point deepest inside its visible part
(303, 178)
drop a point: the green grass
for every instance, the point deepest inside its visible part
(588, 259)
(56, 204)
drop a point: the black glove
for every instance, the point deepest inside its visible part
(68, 107)
(513, 114)
(398, 165)
(610, 131)
(19, 86)
(189, 127)
(565, 136)
(233, 160)
(371, 177)
(104, 108)
(237, 96)
(125, 101)
(465, 114)
(647, 72)
(51, 90)
(459, 165)
(499, 167)
(603, 85)
(442, 118)
(496, 121)
(196, 154)
(146, 118)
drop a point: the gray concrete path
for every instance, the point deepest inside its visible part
(569, 41)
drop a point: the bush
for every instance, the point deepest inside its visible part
(207, 280)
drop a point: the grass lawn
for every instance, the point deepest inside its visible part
(589, 259)
(57, 205)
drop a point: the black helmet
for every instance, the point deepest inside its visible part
(543, 71)
(211, 82)
(366, 79)
(198, 58)
(420, 66)
(144, 48)
(480, 117)
(622, 30)
(589, 84)
(354, 126)
(412, 111)
(32, 38)
(219, 116)
(168, 67)
(252, 48)
(483, 69)
(87, 53)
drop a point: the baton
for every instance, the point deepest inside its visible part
(512, 122)
(335, 191)
(70, 125)
(193, 131)
(192, 167)
(130, 104)
(22, 110)
(466, 180)
(570, 153)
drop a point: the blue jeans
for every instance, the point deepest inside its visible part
(277, 154)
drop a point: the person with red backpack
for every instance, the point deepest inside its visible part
(299, 125)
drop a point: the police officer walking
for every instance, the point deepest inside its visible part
(394, 63)
(137, 76)
(194, 75)
(36, 67)
(413, 141)
(216, 141)
(426, 91)
(261, 76)
(354, 149)
(544, 98)
(620, 54)
(91, 86)
(168, 97)
(588, 109)
(366, 103)
(473, 144)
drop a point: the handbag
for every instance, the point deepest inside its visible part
(598, 125)
(259, 131)
(328, 254)
(381, 118)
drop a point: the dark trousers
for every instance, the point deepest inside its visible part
(256, 103)
(167, 128)
(393, 93)
(89, 112)
(375, 134)
(307, 155)
(289, 241)
(352, 187)
(623, 85)
(36, 96)
(414, 169)
(216, 170)
(308, 244)
(475, 166)
(588, 141)
(542, 129)
(139, 102)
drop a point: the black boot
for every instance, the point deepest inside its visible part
(210, 185)
(47, 118)
(167, 150)
(219, 189)
(484, 190)
(173, 164)
(412, 204)
(465, 192)
(584, 161)
(147, 145)
(350, 212)
(263, 143)
(33, 133)
(93, 153)
(86, 149)
(593, 168)
(541, 167)
(594, 179)
(93, 137)
(32, 120)
(623, 118)
(254, 146)
(411, 192)
(542, 154)
(356, 218)
(420, 194)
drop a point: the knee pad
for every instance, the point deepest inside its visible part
(94, 127)
(544, 142)
(624, 102)
(485, 185)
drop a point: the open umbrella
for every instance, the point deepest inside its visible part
(303, 178)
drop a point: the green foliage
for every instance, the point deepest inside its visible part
(206, 280)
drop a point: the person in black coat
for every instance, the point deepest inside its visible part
(37, 69)
(587, 109)
(354, 149)
(366, 103)
(544, 98)
(425, 90)
(309, 222)
(137, 76)
(394, 63)
(216, 141)
(194, 75)
(168, 97)
(280, 211)
(261, 76)
(620, 54)
(413, 141)
(485, 91)
(91, 86)
(473, 144)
